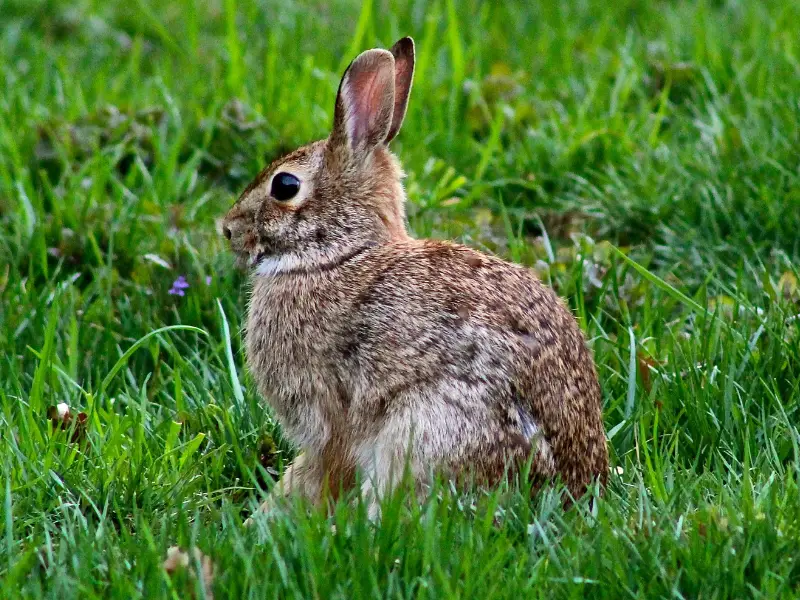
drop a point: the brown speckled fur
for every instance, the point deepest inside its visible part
(375, 349)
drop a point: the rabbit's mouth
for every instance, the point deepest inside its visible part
(248, 254)
(256, 255)
(250, 258)
(246, 246)
(256, 258)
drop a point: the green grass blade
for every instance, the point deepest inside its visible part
(122, 361)
(232, 372)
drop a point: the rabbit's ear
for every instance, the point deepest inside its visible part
(365, 102)
(403, 52)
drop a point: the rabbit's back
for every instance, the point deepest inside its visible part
(481, 336)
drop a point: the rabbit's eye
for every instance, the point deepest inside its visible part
(284, 187)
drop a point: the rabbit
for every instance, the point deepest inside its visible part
(382, 354)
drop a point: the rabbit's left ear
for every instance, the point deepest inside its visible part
(365, 104)
(403, 52)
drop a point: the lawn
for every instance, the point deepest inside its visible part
(642, 156)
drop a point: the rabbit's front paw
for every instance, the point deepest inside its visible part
(267, 510)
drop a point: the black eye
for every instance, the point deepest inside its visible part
(284, 186)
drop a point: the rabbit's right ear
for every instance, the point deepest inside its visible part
(365, 102)
(403, 52)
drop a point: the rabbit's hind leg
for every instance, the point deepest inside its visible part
(433, 433)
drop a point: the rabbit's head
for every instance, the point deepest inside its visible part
(331, 199)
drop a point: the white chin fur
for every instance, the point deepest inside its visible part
(275, 265)
(307, 261)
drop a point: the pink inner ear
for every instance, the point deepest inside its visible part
(366, 100)
(369, 96)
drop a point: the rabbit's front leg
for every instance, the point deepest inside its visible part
(303, 477)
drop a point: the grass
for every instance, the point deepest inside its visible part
(548, 133)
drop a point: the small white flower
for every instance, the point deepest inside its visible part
(155, 258)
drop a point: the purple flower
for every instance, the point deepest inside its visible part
(178, 286)
(208, 280)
